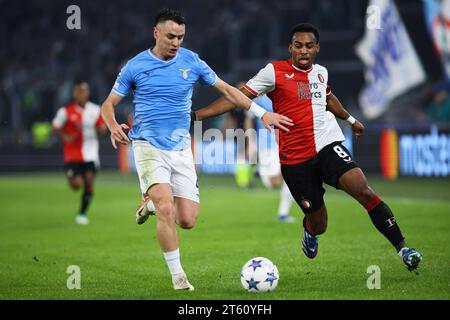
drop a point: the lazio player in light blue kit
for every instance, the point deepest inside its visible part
(162, 96)
(162, 80)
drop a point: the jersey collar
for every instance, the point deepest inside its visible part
(161, 60)
(298, 69)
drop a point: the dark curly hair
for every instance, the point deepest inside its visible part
(167, 14)
(305, 27)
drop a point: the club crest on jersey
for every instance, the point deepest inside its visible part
(289, 76)
(185, 73)
(306, 204)
(321, 79)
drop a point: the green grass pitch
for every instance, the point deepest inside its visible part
(121, 260)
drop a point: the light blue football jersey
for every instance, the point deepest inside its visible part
(266, 139)
(163, 96)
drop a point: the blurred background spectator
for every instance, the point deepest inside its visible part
(439, 107)
(40, 58)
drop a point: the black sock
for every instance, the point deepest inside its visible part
(85, 200)
(384, 221)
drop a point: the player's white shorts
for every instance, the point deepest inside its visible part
(160, 166)
(269, 165)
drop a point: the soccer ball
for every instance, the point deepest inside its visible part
(259, 275)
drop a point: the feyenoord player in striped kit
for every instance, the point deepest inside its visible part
(77, 123)
(311, 152)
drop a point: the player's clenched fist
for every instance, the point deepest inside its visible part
(358, 129)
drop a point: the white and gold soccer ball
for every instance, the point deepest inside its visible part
(259, 275)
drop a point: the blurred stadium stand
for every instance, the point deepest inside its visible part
(40, 58)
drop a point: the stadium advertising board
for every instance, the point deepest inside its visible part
(414, 151)
(421, 152)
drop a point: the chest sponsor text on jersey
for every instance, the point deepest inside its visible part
(309, 90)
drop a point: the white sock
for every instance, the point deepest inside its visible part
(150, 206)
(286, 200)
(173, 262)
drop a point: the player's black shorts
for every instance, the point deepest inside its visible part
(79, 168)
(305, 179)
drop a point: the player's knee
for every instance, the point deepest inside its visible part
(75, 184)
(165, 208)
(365, 195)
(187, 223)
(188, 218)
(275, 182)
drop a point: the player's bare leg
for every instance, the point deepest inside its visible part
(186, 212)
(314, 224)
(166, 232)
(275, 181)
(75, 182)
(161, 195)
(355, 184)
(86, 197)
(286, 200)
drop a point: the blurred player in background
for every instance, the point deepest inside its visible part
(77, 124)
(312, 152)
(162, 79)
(244, 167)
(266, 147)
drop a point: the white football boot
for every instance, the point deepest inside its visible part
(145, 210)
(180, 282)
(82, 219)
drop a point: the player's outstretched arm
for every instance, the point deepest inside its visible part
(118, 134)
(218, 107)
(239, 99)
(336, 108)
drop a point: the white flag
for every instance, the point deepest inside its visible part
(392, 65)
(437, 16)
